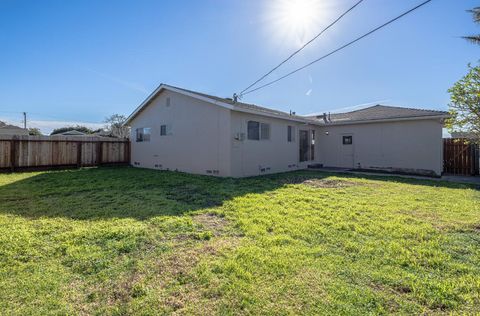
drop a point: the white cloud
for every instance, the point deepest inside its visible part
(308, 92)
(48, 126)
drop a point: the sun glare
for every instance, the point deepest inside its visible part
(299, 13)
(297, 20)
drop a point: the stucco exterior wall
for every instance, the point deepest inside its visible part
(256, 157)
(409, 146)
(199, 140)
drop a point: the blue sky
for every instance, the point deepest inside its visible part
(80, 61)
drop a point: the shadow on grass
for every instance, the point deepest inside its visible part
(125, 192)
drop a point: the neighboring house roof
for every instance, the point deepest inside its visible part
(370, 114)
(379, 113)
(469, 135)
(12, 129)
(72, 133)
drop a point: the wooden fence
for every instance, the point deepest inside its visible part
(460, 157)
(44, 152)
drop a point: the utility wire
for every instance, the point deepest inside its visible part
(303, 46)
(338, 49)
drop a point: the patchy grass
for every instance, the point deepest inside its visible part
(130, 241)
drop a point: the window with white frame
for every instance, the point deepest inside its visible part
(143, 134)
(258, 131)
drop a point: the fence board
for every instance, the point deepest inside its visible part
(460, 157)
(23, 152)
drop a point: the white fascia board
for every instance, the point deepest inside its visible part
(414, 118)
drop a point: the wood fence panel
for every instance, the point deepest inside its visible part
(5, 153)
(460, 157)
(23, 152)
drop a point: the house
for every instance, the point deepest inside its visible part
(72, 132)
(179, 129)
(7, 129)
(467, 135)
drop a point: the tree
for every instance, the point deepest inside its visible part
(79, 128)
(115, 126)
(476, 18)
(33, 131)
(465, 104)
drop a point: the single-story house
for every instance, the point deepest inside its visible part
(7, 129)
(188, 131)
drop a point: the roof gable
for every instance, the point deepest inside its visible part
(223, 102)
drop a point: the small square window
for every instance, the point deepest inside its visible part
(347, 140)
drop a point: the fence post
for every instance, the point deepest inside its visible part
(13, 153)
(126, 152)
(79, 154)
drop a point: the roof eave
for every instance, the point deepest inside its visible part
(398, 119)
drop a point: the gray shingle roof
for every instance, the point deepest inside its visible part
(8, 126)
(248, 106)
(377, 112)
(381, 112)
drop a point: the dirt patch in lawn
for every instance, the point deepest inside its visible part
(327, 183)
(216, 224)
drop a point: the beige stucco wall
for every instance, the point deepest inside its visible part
(250, 157)
(411, 146)
(200, 136)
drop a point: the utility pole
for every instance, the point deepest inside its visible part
(25, 120)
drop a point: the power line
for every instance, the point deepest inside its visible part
(303, 46)
(340, 48)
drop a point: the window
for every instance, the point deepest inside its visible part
(258, 131)
(168, 102)
(312, 145)
(347, 140)
(290, 133)
(253, 130)
(264, 131)
(165, 130)
(143, 134)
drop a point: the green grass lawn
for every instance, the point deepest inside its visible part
(132, 241)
